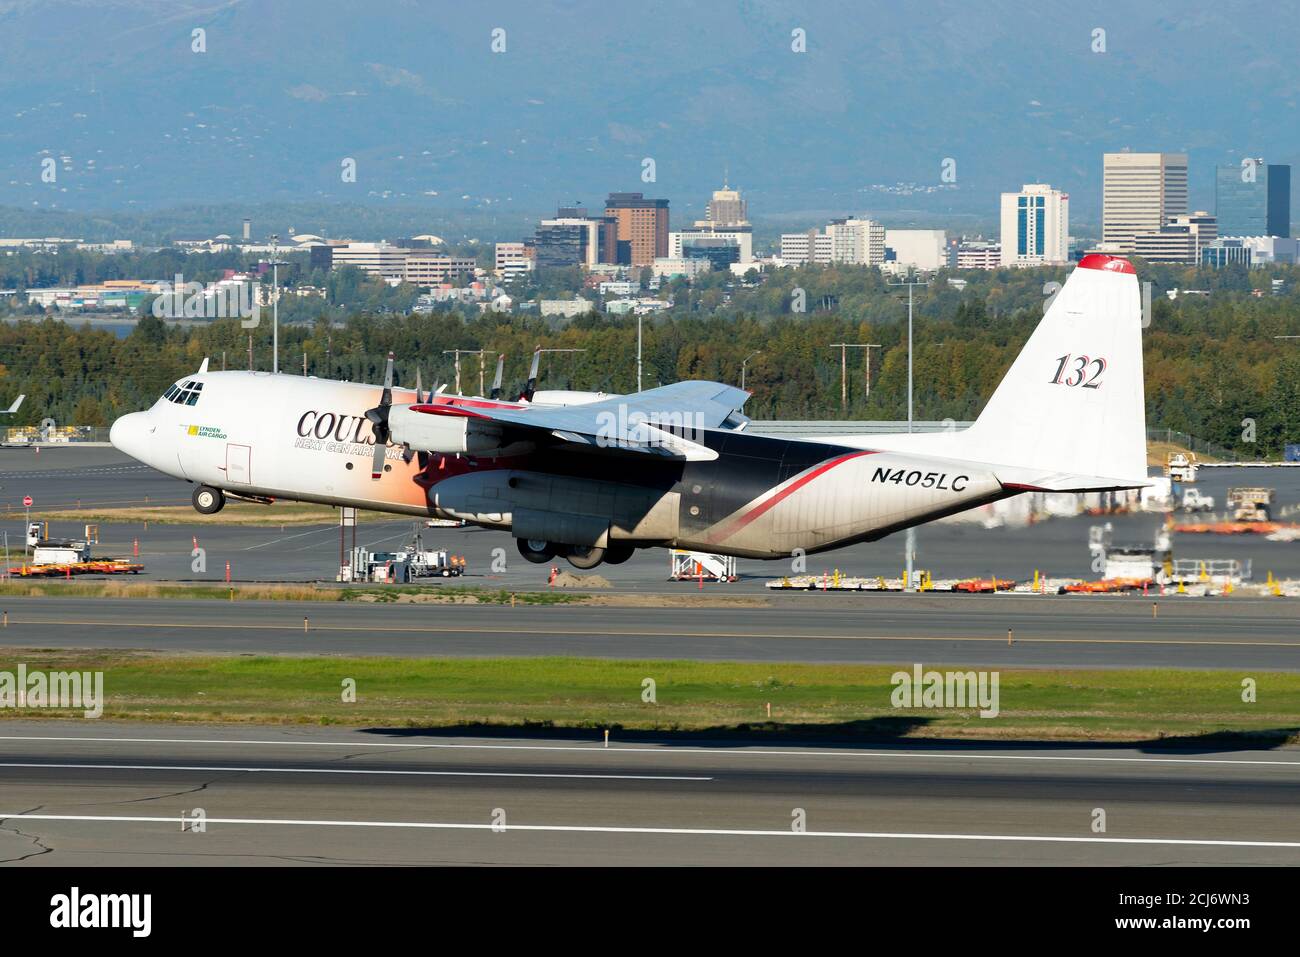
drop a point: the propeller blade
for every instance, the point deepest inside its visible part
(378, 418)
(496, 380)
(417, 386)
(531, 386)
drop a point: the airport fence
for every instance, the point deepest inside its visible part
(55, 435)
(1192, 444)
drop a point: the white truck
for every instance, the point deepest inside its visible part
(1195, 501)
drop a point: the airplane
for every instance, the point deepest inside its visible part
(671, 466)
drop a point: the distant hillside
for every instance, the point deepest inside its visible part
(289, 90)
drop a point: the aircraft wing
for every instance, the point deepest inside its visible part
(667, 421)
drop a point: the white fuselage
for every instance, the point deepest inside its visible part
(258, 435)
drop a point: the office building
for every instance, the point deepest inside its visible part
(378, 259)
(641, 228)
(1226, 252)
(1179, 241)
(1035, 226)
(436, 269)
(726, 208)
(1253, 199)
(1141, 193)
(923, 249)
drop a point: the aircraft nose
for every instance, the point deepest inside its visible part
(131, 434)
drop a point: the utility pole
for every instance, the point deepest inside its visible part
(844, 348)
(639, 317)
(911, 282)
(467, 352)
(869, 346)
(539, 371)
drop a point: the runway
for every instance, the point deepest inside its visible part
(89, 794)
(880, 629)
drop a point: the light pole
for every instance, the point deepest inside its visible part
(275, 303)
(757, 352)
(911, 282)
(639, 317)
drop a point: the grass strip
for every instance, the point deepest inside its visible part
(707, 699)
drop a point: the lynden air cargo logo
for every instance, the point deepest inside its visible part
(205, 431)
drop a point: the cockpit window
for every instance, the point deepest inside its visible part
(184, 393)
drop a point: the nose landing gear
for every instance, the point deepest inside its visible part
(208, 500)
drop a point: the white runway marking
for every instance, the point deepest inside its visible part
(445, 774)
(670, 751)
(667, 831)
(286, 538)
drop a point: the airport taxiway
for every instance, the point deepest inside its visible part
(79, 794)
(881, 629)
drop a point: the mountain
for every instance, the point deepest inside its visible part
(287, 91)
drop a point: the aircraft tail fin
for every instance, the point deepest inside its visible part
(1071, 407)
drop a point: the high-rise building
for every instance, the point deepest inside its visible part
(1141, 192)
(641, 227)
(1253, 199)
(1035, 226)
(726, 208)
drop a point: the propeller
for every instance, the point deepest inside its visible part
(378, 418)
(531, 385)
(496, 381)
(418, 400)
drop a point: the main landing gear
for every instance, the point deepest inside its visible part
(208, 500)
(579, 556)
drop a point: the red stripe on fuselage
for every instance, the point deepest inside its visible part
(795, 484)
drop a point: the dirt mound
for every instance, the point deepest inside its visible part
(570, 580)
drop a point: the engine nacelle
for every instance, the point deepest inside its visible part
(447, 434)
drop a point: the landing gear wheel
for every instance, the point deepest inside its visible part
(535, 550)
(618, 554)
(585, 556)
(208, 500)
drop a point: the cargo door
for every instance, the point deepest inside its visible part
(239, 464)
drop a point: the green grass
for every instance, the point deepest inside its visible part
(840, 701)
